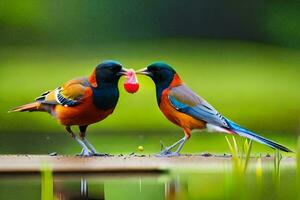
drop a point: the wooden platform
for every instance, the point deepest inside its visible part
(114, 164)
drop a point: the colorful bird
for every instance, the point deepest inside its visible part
(82, 101)
(186, 109)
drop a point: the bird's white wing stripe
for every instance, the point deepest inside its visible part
(215, 128)
(62, 100)
(56, 92)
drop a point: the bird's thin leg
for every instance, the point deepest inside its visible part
(87, 143)
(167, 152)
(181, 145)
(168, 149)
(85, 151)
(84, 140)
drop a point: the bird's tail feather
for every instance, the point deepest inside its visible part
(253, 136)
(35, 106)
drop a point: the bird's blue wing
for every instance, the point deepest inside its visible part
(186, 101)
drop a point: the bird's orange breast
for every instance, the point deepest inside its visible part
(84, 113)
(183, 120)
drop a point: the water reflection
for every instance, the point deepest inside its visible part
(175, 186)
(143, 186)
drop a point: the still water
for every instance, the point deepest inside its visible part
(169, 186)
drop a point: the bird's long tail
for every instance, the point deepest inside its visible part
(35, 106)
(253, 136)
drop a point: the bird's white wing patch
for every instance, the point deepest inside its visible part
(214, 128)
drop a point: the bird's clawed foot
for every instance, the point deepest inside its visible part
(166, 151)
(85, 153)
(167, 154)
(88, 153)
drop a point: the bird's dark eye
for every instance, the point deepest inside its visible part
(155, 69)
(115, 69)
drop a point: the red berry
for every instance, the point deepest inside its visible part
(131, 87)
(131, 84)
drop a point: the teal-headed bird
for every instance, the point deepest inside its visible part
(189, 111)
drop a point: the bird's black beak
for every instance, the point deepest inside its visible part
(144, 71)
(123, 71)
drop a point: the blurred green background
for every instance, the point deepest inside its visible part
(243, 57)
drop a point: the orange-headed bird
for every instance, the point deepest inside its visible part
(186, 109)
(82, 101)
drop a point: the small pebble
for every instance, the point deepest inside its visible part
(102, 155)
(224, 155)
(53, 154)
(140, 155)
(268, 155)
(206, 154)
